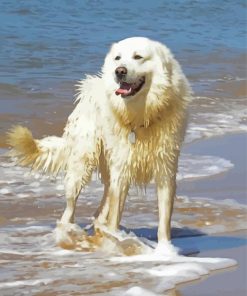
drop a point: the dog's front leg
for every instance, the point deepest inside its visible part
(166, 193)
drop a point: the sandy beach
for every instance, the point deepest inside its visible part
(233, 280)
(230, 185)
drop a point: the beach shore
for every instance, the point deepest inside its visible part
(44, 210)
(45, 49)
(228, 283)
(231, 184)
(228, 185)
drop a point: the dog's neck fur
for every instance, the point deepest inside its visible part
(141, 113)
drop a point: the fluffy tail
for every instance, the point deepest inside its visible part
(47, 154)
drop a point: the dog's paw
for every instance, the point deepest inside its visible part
(166, 248)
(67, 235)
(73, 237)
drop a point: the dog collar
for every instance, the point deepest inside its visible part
(132, 134)
(132, 137)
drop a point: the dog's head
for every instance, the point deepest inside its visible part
(142, 78)
(134, 65)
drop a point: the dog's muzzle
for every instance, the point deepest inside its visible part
(126, 88)
(121, 72)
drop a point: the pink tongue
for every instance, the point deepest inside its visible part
(121, 91)
(124, 89)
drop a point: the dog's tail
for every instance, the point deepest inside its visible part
(47, 154)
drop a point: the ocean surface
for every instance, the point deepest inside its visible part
(45, 48)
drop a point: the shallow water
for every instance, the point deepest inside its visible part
(32, 263)
(45, 48)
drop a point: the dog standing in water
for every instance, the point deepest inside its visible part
(129, 124)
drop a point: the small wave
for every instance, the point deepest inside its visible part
(25, 283)
(17, 182)
(139, 291)
(192, 166)
(216, 117)
(13, 89)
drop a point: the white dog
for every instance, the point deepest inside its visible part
(129, 124)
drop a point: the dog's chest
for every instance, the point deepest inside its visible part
(141, 155)
(139, 161)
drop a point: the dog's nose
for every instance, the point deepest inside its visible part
(121, 72)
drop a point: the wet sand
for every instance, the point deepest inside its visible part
(232, 184)
(228, 283)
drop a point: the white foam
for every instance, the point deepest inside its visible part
(5, 191)
(60, 187)
(192, 166)
(221, 117)
(139, 291)
(62, 252)
(154, 257)
(181, 269)
(35, 184)
(14, 252)
(151, 273)
(32, 228)
(171, 275)
(165, 249)
(173, 270)
(25, 283)
(21, 184)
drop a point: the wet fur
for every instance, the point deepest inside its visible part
(97, 131)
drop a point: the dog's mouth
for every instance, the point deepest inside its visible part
(130, 89)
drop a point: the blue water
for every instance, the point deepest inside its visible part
(43, 41)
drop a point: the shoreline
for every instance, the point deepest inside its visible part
(227, 282)
(227, 185)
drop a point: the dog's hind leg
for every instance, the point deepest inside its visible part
(77, 176)
(117, 200)
(68, 234)
(73, 187)
(103, 210)
(117, 195)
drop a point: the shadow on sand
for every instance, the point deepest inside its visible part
(192, 241)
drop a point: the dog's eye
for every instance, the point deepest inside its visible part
(137, 57)
(117, 58)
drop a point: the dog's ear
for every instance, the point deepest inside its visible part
(166, 58)
(112, 47)
(172, 70)
(108, 57)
